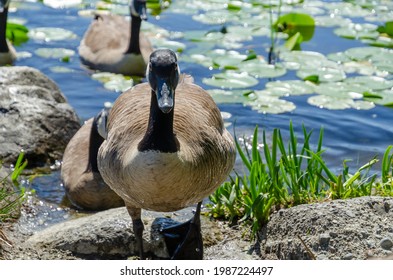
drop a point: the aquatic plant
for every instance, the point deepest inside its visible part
(287, 174)
(12, 197)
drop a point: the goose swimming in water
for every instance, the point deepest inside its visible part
(166, 149)
(7, 51)
(81, 179)
(114, 44)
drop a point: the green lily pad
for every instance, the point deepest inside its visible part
(231, 79)
(230, 61)
(325, 74)
(163, 43)
(361, 67)
(271, 105)
(54, 52)
(381, 42)
(290, 87)
(334, 103)
(221, 96)
(332, 21)
(293, 23)
(61, 69)
(51, 34)
(370, 83)
(294, 59)
(215, 17)
(114, 82)
(340, 90)
(383, 97)
(260, 69)
(358, 31)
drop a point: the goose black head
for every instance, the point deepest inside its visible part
(4, 4)
(163, 76)
(138, 9)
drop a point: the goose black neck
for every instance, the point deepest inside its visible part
(3, 24)
(94, 145)
(159, 134)
(134, 39)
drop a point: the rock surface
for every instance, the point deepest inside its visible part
(359, 228)
(34, 116)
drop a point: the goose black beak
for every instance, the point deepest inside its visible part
(184, 241)
(165, 96)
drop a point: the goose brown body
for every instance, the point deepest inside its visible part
(166, 148)
(84, 187)
(106, 45)
(166, 181)
(7, 51)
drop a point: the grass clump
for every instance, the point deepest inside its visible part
(11, 197)
(288, 174)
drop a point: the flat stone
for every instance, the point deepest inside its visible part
(386, 243)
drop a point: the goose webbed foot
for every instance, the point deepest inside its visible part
(184, 241)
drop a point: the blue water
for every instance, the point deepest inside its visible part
(349, 134)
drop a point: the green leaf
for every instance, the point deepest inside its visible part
(16, 33)
(312, 78)
(371, 95)
(293, 42)
(296, 22)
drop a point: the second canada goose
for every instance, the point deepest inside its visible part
(166, 148)
(81, 179)
(7, 51)
(114, 44)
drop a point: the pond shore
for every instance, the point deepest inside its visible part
(359, 228)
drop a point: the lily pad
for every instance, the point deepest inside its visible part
(325, 74)
(290, 87)
(271, 105)
(370, 82)
(260, 69)
(215, 17)
(51, 34)
(334, 103)
(340, 90)
(358, 31)
(54, 52)
(114, 82)
(229, 96)
(294, 59)
(383, 97)
(231, 79)
(61, 69)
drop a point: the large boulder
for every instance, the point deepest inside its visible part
(34, 116)
(104, 235)
(358, 228)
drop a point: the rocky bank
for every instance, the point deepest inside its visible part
(360, 228)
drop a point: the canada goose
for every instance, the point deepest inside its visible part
(7, 51)
(81, 179)
(162, 157)
(108, 45)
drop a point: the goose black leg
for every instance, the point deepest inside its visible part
(184, 241)
(138, 228)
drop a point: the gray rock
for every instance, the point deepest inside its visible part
(347, 232)
(386, 243)
(324, 239)
(34, 116)
(104, 235)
